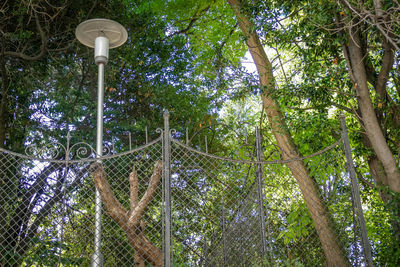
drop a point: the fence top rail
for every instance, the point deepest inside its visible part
(256, 161)
(80, 160)
(92, 158)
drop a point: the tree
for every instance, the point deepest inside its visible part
(377, 107)
(320, 215)
(307, 29)
(30, 32)
(48, 87)
(349, 50)
(185, 55)
(131, 220)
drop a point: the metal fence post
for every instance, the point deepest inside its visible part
(223, 232)
(355, 191)
(97, 257)
(167, 190)
(260, 194)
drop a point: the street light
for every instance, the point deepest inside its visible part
(100, 34)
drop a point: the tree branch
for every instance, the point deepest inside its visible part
(46, 209)
(365, 181)
(133, 183)
(376, 20)
(113, 206)
(140, 209)
(387, 64)
(192, 20)
(43, 49)
(132, 222)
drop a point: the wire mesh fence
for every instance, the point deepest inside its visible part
(167, 204)
(223, 217)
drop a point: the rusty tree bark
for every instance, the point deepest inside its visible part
(131, 220)
(334, 253)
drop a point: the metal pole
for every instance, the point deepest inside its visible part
(100, 102)
(260, 194)
(97, 257)
(223, 232)
(100, 34)
(130, 140)
(187, 136)
(167, 189)
(205, 253)
(147, 135)
(355, 191)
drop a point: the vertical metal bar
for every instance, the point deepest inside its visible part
(100, 103)
(63, 204)
(187, 136)
(260, 194)
(130, 140)
(147, 136)
(205, 253)
(354, 229)
(163, 195)
(167, 190)
(97, 258)
(355, 191)
(205, 140)
(223, 231)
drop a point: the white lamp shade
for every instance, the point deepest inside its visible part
(89, 30)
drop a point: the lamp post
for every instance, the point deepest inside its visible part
(100, 34)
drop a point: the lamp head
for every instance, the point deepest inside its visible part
(101, 34)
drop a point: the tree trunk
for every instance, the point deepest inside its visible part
(131, 221)
(379, 175)
(370, 121)
(333, 251)
(144, 249)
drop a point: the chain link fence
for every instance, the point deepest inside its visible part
(167, 204)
